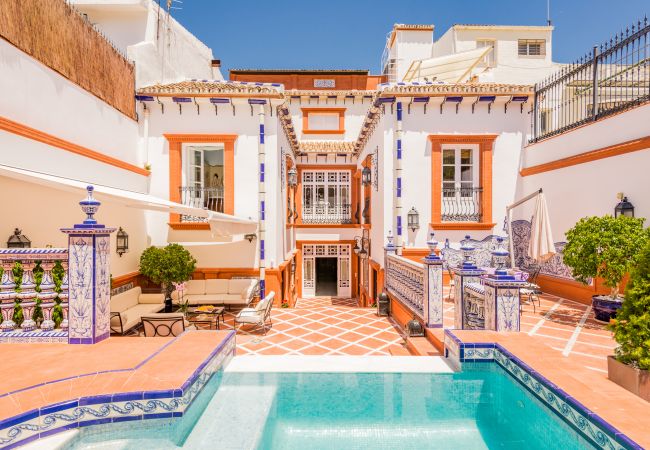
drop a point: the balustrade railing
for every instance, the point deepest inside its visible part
(21, 299)
(461, 204)
(210, 198)
(327, 214)
(613, 77)
(405, 280)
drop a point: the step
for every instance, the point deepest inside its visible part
(398, 350)
(420, 346)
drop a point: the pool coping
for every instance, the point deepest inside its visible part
(119, 407)
(586, 422)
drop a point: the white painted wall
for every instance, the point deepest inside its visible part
(38, 97)
(355, 114)
(411, 45)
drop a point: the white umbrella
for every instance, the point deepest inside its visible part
(541, 246)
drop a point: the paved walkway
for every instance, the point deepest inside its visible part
(320, 326)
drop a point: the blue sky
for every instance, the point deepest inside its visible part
(350, 34)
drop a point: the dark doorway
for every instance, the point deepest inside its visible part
(326, 281)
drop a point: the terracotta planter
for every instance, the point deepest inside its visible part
(634, 380)
(605, 307)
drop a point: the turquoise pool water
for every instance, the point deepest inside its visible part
(478, 408)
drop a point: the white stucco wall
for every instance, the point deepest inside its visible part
(411, 45)
(355, 114)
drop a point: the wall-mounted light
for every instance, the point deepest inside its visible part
(624, 207)
(413, 218)
(292, 177)
(121, 242)
(250, 237)
(366, 176)
(18, 240)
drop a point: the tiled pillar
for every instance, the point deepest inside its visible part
(433, 308)
(89, 292)
(261, 156)
(398, 180)
(502, 303)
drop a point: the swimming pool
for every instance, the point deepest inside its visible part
(480, 407)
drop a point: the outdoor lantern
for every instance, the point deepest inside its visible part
(624, 208)
(356, 247)
(414, 328)
(363, 254)
(122, 242)
(250, 237)
(293, 177)
(18, 240)
(383, 304)
(366, 176)
(413, 219)
(293, 266)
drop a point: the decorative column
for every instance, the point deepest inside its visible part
(398, 180)
(466, 273)
(502, 300)
(389, 249)
(261, 157)
(7, 296)
(89, 293)
(433, 308)
(47, 295)
(63, 296)
(27, 295)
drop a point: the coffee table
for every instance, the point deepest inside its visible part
(209, 317)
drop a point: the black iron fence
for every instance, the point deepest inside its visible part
(461, 204)
(615, 76)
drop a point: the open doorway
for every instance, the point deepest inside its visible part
(326, 280)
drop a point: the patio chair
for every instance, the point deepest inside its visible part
(452, 282)
(531, 290)
(164, 325)
(258, 315)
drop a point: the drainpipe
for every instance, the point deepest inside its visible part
(262, 198)
(397, 203)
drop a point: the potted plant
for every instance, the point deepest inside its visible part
(630, 368)
(607, 248)
(167, 265)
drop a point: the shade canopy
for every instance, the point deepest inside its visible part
(456, 68)
(541, 246)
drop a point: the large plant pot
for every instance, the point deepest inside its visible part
(605, 307)
(634, 380)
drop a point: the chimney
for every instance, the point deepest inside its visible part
(215, 64)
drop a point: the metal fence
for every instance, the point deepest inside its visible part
(206, 198)
(461, 204)
(615, 76)
(326, 214)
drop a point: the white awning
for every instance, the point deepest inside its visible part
(127, 198)
(456, 68)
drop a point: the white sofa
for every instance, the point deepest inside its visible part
(129, 306)
(235, 292)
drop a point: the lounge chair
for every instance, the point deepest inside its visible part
(531, 290)
(163, 324)
(257, 315)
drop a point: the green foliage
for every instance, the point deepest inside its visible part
(171, 264)
(632, 324)
(604, 247)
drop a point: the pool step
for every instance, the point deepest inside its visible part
(233, 408)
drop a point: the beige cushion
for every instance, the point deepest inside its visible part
(262, 304)
(248, 315)
(195, 287)
(115, 321)
(216, 286)
(151, 298)
(239, 286)
(234, 299)
(125, 300)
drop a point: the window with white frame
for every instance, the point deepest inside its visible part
(326, 196)
(460, 186)
(531, 47)
(489, 60)
(203, 176)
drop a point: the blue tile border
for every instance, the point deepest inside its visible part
(94, 410)
(590, 426)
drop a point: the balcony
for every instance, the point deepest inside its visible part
(461, 204)
(327, 214)
(210, 198)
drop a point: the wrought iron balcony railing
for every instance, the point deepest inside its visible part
(461, 204)
(326, 214)
(206, 198)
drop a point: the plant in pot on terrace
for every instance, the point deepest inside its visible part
(631, 328)
(607, 248)
(167, 265)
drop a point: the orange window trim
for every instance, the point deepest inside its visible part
(593, 155)
(305, 120)
(48, 139)
(315, 167)
(176, 142)
(485, 143)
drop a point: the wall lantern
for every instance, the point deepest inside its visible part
(623, 208)
(122, 242)
(18, 240)
(250, 237)
(414, 328)
(292, 176)
(413, 219)
(366, 176)
(293, 266)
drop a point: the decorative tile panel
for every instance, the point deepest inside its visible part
(102, 287)
(80, 275)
